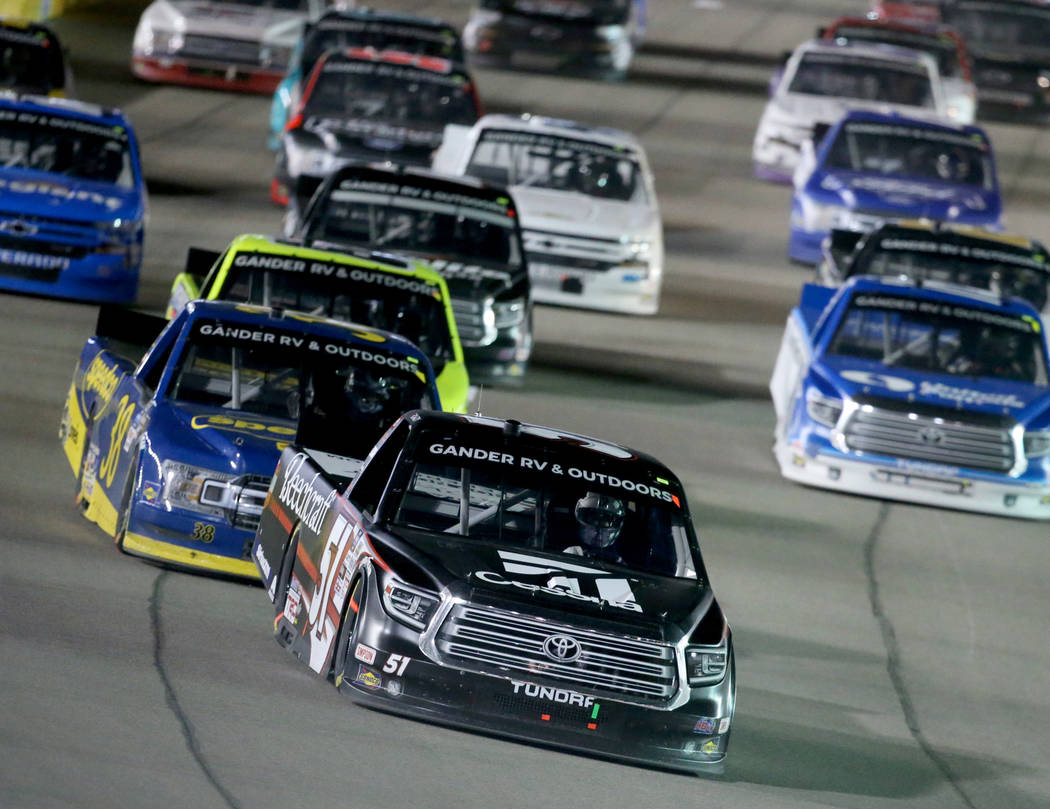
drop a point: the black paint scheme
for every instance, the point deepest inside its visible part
(490, 291)
(466, 627)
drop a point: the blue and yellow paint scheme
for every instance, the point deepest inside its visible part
(180, 480)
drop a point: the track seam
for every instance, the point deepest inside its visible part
(893, 659)
(171, 698)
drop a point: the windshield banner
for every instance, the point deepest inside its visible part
(330, 269)
(938, 309)
(1019, 258)
(551, 468)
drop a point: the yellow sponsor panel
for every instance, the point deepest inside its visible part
(74, 430)
(144, 546)
(101, 512)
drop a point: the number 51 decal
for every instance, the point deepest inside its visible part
(396, 664)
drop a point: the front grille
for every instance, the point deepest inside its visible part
(506, 643)
(30, 245)
(250, 501)
(470, 322)
(238, 51)
(564, 250)
(935, 439)
(573, 262)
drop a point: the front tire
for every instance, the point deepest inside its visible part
(344, 642)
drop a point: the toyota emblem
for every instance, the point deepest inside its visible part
(562, 648)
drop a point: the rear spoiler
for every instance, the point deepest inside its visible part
(199, 260)
(837, 249)
(132, 327)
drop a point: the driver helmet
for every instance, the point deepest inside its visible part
(368, 394)
(600, 518)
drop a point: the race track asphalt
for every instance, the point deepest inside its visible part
(888, 655)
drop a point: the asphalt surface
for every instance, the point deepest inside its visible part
(888, 655)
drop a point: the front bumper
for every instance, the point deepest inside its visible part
(624, 288)
(95, 277)
(194, 542)
(198, 73)
(776, 157)
(688, 738)
(913, 482)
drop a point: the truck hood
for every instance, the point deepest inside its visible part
(903, 197)
(519, 579)
(220, 439)
(859, 378)
(577, 214)
(38, 193)
(230, 20)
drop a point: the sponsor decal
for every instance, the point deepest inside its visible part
(895, 383)
(306, 343)
(611, 590)
(101, 378)
(914, 132)
(387, 189)
(457, 269)
(299, 496)
(936, 308)
(711, 745)
(239, 425)
(928, 469)
(723, 725)
(261, 561)
(556, 142)
(975, 252)
(408, 73)
(704, 725)
(87, 483)
(368, 678)
(377, 130)
(560, 695)
(20, 258)
(963, 396)
(366, 654)
(293, 601)
(523, 462)
(61, 191)
(329, 269)
(151, 491)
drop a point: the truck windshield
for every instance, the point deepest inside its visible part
(68, 146)
(512, 158)
(359, 213)
(844, 76)
(1001, 27)
(580, 12)
(941, 47)
(342, 397)
(1004, 270)
(404, 306)
(30, 61)
(915, 152)
(404, 37)
(597, 515)
(942, 338)
(376, 91)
